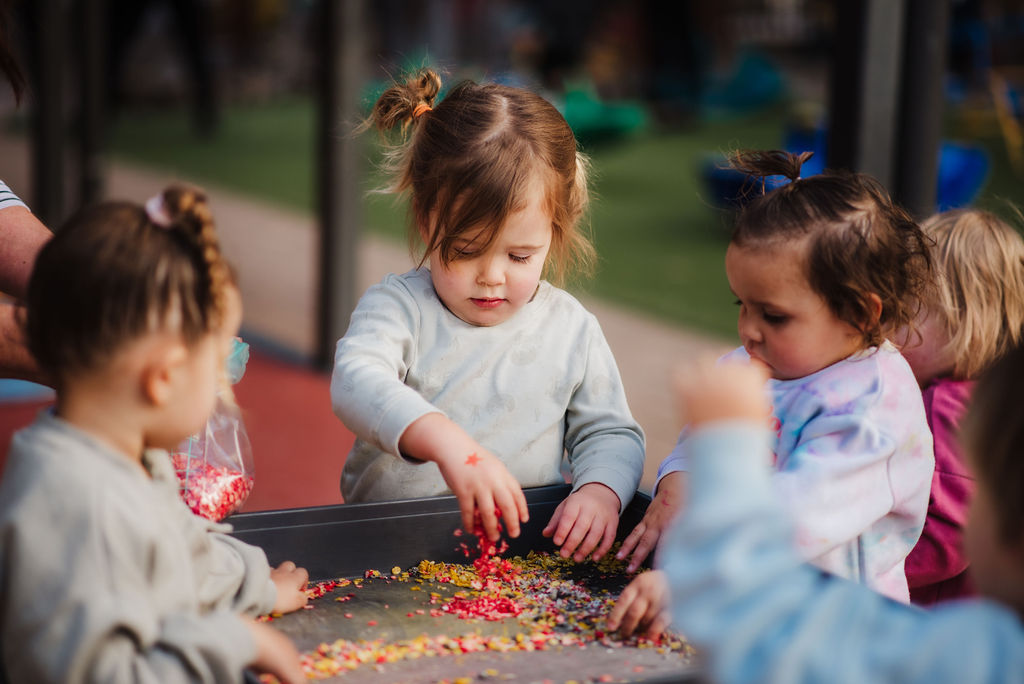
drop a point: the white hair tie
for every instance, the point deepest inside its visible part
(157, 211)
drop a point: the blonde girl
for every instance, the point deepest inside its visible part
(106, 574)
(976, 314)
(472, 374)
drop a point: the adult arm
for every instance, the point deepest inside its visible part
(741, 594)
(22, 235)
(15, 359)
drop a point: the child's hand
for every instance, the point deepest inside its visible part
(275, 653)
(708, 391)
(642, 606)
(291, 587)
(585, 520)
(479, 480)
(666, 503)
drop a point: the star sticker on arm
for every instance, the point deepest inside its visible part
(472, 459)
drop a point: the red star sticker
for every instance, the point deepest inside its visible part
(472, 459)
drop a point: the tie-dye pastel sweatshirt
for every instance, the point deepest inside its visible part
(853, 463)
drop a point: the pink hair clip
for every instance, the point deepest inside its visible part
(157, 212)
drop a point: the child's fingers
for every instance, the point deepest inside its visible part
(633, 614)
(570, 513)
(520, 499)
(485, 503)
(621, 606)
(505, 502)
(580, 529)
(648, 540)
(658, 625)
(606, 540)
(631, 540)
(302, 575)
(467, 506)
(555, 521)
(594, 535)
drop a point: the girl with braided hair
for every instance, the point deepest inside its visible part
(106, 575)
(475, 374)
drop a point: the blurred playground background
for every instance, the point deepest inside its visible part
(221, 93)
(654, 90)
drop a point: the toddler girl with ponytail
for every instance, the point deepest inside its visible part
(824, 269)
(473, 374)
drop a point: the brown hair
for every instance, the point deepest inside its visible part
(113, 273)
(859, 242)
(979, 293)
(470, 160)
(992, 434)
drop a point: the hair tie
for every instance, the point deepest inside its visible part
(421, 109)
(157, 211)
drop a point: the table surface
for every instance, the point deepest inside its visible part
(387, 610)
(345, 541)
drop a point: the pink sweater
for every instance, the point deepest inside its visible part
(937, 566)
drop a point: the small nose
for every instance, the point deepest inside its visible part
(747, 327)
(490, 272)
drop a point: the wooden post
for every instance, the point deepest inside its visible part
(48, 111)
(864, 86)
(920, 127)
(92, 33)
(342, 76)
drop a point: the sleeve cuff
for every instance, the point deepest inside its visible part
(396, 419)
(612, 479)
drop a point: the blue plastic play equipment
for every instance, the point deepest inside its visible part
(963, 170)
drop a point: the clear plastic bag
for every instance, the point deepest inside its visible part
(214, 466)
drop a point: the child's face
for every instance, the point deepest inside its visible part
(203, 373)
(782, 321)
(997, 567)
(487, 288)
(925, 351)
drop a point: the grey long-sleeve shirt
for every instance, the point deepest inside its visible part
(106, 575)
(537, 386)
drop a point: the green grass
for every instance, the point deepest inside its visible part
(266, 151)
(660, 242)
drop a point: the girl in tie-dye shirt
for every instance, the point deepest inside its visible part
(823, 268)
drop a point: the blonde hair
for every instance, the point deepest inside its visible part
(470, 161)
(979, 294)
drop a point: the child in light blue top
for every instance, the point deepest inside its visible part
(743, 596)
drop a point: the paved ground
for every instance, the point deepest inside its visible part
(274, 250)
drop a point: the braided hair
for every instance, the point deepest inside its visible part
(116, 271)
